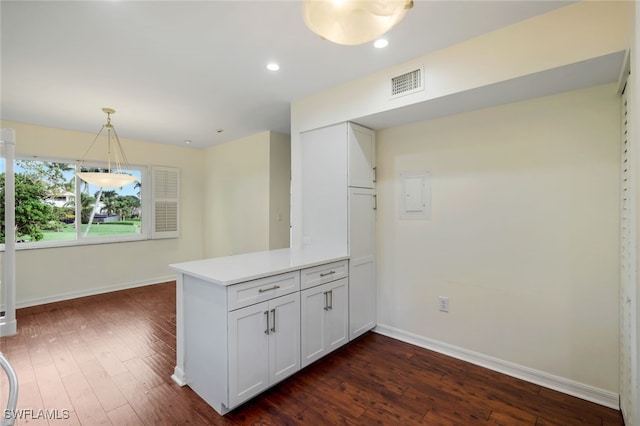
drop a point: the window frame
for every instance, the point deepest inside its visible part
(145, 205)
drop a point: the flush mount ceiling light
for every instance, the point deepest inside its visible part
(114, 176)
(352, 22)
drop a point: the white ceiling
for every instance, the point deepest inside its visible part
(182, 70)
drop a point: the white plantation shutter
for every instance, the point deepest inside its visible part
(166, 192)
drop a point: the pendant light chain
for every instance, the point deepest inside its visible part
(112, 178)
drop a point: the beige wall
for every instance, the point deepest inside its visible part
(234, 199)
(523, 236)
(247, 195)
(237, 196)
(564, 316)
(57, 273)
(580, 31)
(279, 193)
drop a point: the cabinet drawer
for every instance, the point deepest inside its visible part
(255, 291)
(312, 277)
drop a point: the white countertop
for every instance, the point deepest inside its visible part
(230, 270)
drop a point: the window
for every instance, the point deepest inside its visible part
(56, 208)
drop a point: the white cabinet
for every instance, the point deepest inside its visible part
(324, 187)
(238, 339)
(361, 156)
(264, 346)
(362, 265)
(338, 208)
(361, 204)
(324, 319)
(334, 158)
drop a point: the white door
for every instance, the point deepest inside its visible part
(337, 329)
(362, 156)
(284, 337)
(248, 352)
(313, 306)
(362, 266)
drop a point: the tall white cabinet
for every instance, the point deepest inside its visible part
(338, 208)
(362, 261)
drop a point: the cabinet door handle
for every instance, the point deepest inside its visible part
(330, 299)
(267, 315)
(273, 326)
(326, 300)
(262, 290)
(375, 174)
(375, 202)
(328, 273)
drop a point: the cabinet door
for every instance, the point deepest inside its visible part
(313, 306)
(325, 318)
(362, 267)
(362, 156)
(336, 325)
(248, 352)
(284, 337)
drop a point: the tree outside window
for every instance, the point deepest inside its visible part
(46, 194)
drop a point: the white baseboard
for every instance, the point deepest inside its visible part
(560, 384)
(8, 328)
(91, 292)
(178, 376)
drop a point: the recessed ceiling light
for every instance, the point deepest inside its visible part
(272, 66)
(381, 43)
(187, 142)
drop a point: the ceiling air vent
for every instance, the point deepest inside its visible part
(407, 83)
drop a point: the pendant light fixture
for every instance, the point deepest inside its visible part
(114, 176)
(352, 22)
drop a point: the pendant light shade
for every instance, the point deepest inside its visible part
(114, 176)
(107, 179)
(352, 22)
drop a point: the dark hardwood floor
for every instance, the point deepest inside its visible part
(107, 359)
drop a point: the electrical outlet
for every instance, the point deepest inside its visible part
(443, 303)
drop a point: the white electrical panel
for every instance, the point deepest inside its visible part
(415, 196)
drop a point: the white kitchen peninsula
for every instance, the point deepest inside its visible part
(238, 319)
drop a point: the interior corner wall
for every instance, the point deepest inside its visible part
(523, 237)
(237, 196)
(279, 190)
(49, 274)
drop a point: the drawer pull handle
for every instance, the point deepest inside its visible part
(262, 290)
(328, 273)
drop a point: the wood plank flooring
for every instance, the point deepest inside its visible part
(108, 359)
